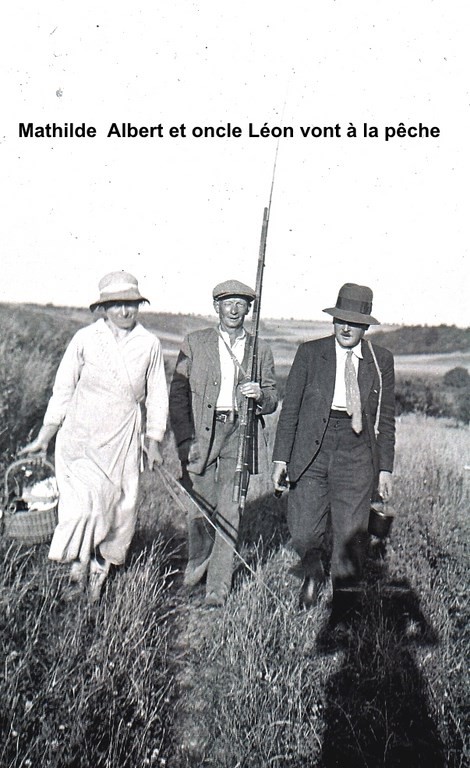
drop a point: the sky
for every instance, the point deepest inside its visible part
(183, 213)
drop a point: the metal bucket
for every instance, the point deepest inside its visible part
(380, 519)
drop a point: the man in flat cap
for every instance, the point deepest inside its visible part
(335, 445)
(206, 393)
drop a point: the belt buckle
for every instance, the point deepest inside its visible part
(222, 416)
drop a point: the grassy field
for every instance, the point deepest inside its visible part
(152, 677)
(432, 365)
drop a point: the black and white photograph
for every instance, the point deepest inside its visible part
(234, 384)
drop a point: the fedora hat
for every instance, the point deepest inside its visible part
(354, 305)
(233, 288)
(118, 286)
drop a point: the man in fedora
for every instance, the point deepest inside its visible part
(335, 445)
(206, 393)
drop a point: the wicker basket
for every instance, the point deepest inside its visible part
(28, 526)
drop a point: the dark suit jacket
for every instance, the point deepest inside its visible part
(309, 395)
(195, 388)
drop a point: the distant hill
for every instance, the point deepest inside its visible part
(423, 339)
(283, 334)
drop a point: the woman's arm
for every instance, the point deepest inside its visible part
(41, 443)
(67, 376)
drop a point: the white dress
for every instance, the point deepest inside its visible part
(106, 393)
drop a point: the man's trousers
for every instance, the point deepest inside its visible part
(339, 479)
(213, 489)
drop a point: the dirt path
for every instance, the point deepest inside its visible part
(193, 631)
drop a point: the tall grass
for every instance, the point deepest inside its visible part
(276, 688)
(433, 495)
(31, 345)
(85, 687)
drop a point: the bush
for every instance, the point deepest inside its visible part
(463, 406)
(457, 377)
(449, 398)
(415, 395)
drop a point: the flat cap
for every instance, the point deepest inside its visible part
(233, 288)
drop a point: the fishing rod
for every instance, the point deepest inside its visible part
(170, 482)
(247, 451)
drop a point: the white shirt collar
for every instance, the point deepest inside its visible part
(357, 350)
(226, 335)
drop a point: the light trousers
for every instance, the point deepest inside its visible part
(213, 489)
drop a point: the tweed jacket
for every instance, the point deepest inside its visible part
(195, 388)
(308, 398)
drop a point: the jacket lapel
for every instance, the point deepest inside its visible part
(366, 373)
(325, 373)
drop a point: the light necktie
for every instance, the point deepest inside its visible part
(353, 396)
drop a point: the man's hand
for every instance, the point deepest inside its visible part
(252, 389)
(152, 452)
(280, 476)
(385, 485)
(183, 450)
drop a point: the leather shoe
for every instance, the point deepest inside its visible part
(309, 592)
(214, 600)
(95, 586)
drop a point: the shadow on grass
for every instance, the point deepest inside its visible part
(264, 522)
(160, 521)
(174, 545)
(263, 529)
(376, 709)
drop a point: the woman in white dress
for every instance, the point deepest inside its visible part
(109, 390)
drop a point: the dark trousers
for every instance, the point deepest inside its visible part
(214, 489)
(339, 479)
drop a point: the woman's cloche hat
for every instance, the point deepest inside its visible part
(354, 305)
(118, 286)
